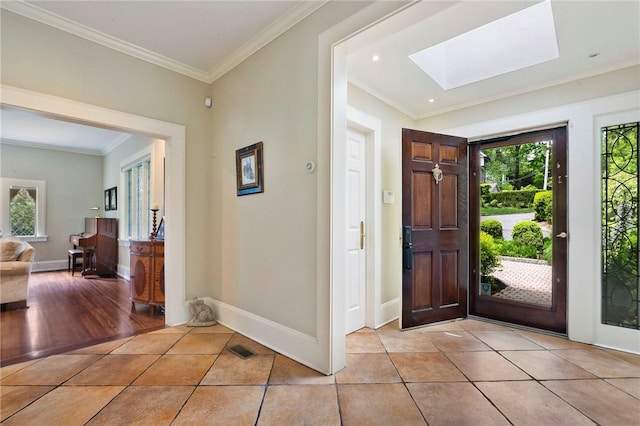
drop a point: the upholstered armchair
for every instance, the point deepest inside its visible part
(16, 259)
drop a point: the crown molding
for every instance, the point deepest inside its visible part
(41, 15)
(291, 18)
(273, 31)
(50, 147)
(116, 143)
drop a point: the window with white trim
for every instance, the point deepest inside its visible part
(24, 209)
(137, 195)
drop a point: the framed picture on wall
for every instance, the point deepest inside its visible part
(250, 169)
(111, 199)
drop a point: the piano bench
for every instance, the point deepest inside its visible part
(74, 255)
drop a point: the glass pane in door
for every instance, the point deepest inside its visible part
(516, 194)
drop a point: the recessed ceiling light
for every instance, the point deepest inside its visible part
(519, 40)
(375, 57)
(431, 100)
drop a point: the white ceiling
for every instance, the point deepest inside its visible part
(204, 39)
(610, 29)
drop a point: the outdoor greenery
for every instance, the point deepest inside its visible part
(511, 198)
(490, 211)
(516, 165)
(512, 248)
(489, 255)
(514, 183)
(492, 227)
(528, 233)
(543, 206)
(22, 214)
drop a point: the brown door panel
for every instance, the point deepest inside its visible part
(435, 278)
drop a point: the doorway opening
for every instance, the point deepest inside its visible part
(175, 169)
(518, 229)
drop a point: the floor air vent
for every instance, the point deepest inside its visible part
(241, 351)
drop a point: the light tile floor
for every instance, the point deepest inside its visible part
(460, 373)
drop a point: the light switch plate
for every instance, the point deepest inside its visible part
(388, 197)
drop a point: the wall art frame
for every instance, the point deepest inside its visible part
(250, 169)
(111, 199)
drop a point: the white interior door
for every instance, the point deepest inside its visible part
(356, 231)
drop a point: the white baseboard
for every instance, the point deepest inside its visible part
(49, 265)
(388, 312)
(62, 265)
(298, 346)
(124, 272)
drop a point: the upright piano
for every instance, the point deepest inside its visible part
(99, 241)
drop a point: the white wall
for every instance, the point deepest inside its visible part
(392, 123)
(584, 119)
(74, 183)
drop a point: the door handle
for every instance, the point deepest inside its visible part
(562, 235)
(407, 247)
(362, 235)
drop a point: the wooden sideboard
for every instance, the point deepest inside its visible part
(147, 272)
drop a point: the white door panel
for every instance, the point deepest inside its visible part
(356, 231)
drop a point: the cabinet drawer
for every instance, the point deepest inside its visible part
(140, 249)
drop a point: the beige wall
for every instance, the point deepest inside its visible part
(42, 59)
(267, 255)
(74, 183)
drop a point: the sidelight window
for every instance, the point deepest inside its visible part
(620, 225)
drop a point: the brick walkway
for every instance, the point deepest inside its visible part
(526, 282)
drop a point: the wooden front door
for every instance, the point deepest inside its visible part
(435, 231)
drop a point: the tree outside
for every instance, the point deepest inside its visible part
(23, 212)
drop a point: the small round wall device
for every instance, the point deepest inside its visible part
(310, 166)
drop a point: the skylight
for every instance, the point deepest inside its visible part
(517, 41)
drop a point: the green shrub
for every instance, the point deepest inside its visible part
(543, 206)
(538, 180)
(489, 254)
(484, 189)
(528, 233)
(530, 188)
(523, 197)
(547, 251)
(506, 186)
(493, 203)
(492, 227)
(513, 248)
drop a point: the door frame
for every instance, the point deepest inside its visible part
(175, 154)
(553, 318)
(372, 129)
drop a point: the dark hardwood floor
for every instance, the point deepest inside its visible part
(65, 313)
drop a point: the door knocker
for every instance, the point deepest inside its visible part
(437, 174)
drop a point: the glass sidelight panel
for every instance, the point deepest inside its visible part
(516, 216)
(620, 225)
